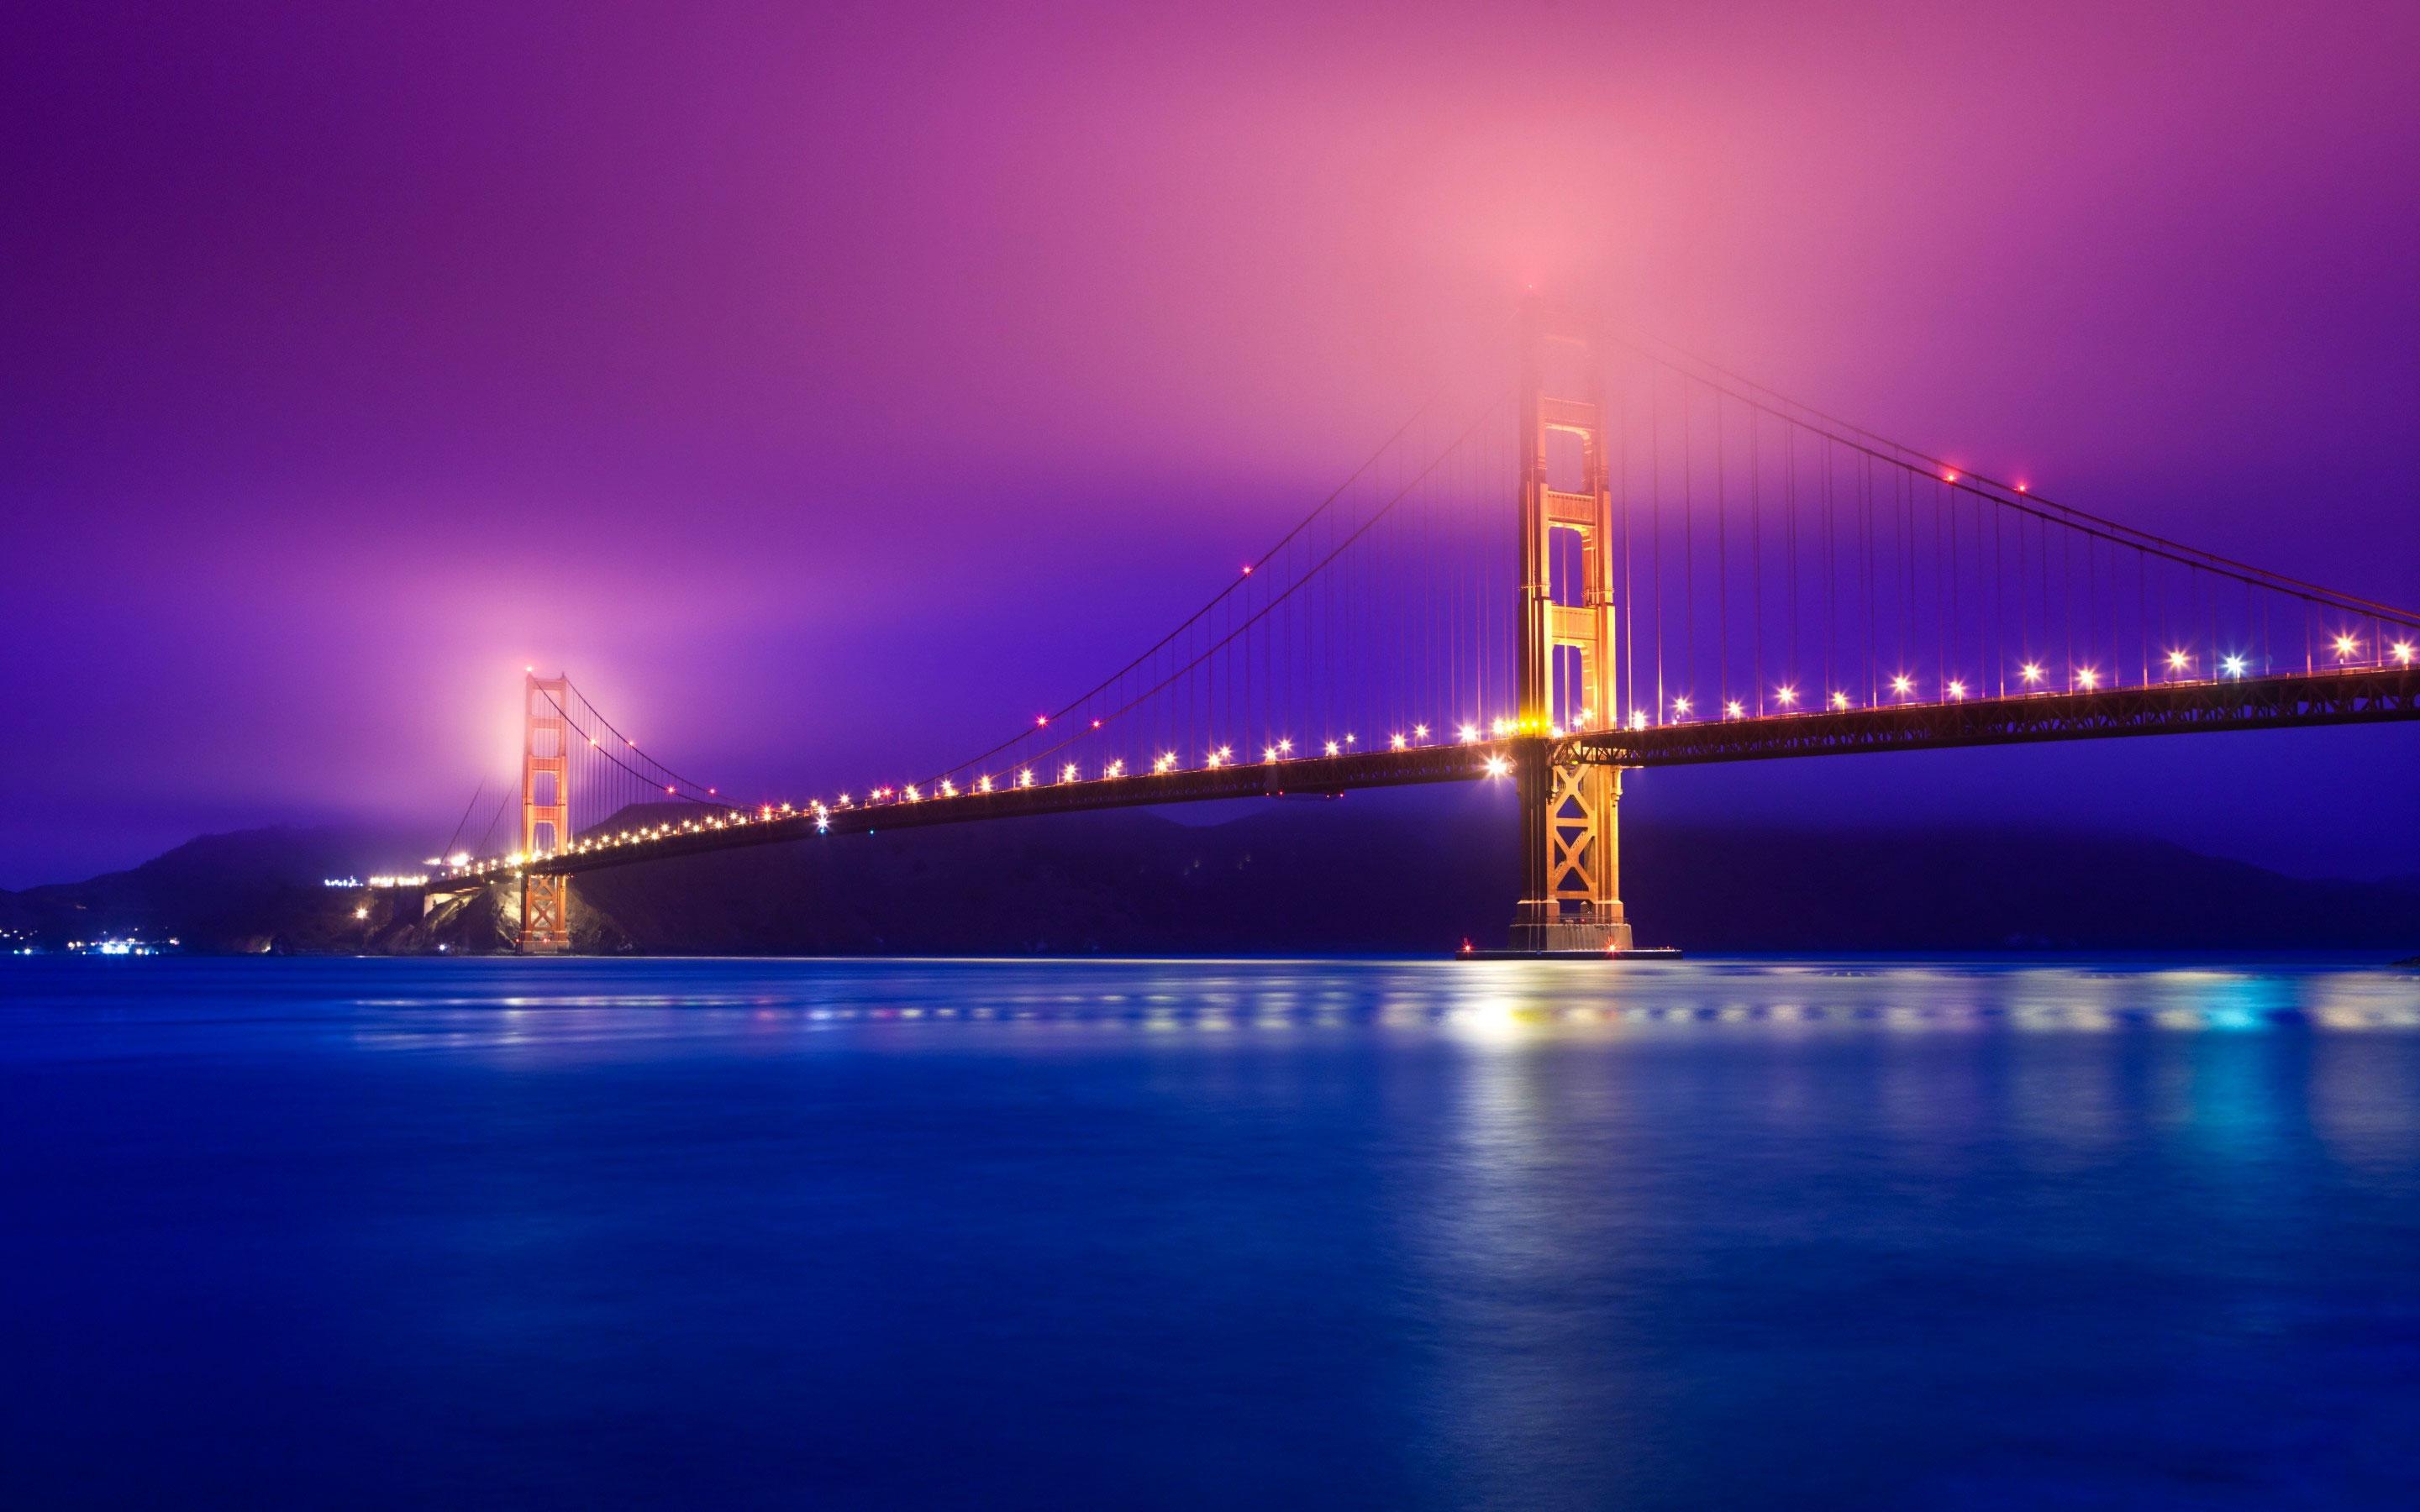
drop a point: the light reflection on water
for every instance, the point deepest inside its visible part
(1427, 1233)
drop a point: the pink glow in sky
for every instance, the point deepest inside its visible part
(812, 382)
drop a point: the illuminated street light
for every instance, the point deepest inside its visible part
(1398, 742)
(1732, 709)
(2032, 671)
(1680, 705)
(2234, 666)
(2403, 652)
(1839, 701)
(2179, 661)
(1903, 684)
(1786, 696)
(2090, 678)
(1955, 688)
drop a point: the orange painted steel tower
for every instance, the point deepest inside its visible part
(1571, 865)
(546, 811)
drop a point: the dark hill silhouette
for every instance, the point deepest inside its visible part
(1376, 873)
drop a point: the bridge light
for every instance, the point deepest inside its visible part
(949, 789)
(1335, 750)
(1268, 753)
(1397, 741)
(2403, 652)
(1096, 725)
(1501, 728)
(1164, 761)
(1247, 569)
(2234, 666)
(1785, 695)
(2179, 661)
(1420, 732)
(2032, 671)
(1470, 734)
(1680, 705)
(2090, 678)
(1949, 475)
(1115, 768)
(2345, 644)
(360, 912)
(1067, 773)
(1734, 709)
(1955, 688)
(1348, 737)
(1025, 776)
(1498, 766)
(1903, 684)
(668, 787)
(1285, 745)
(1041, 719)
(1839, 701)
(2023, 487)
(1638, 719)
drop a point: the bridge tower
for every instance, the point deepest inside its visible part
(546, 811)
(1571, 893)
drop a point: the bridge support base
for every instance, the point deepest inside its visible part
(546, 915)
(1541, 928)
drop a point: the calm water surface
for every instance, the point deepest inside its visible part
(1202, 1234)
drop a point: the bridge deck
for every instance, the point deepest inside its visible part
(2293, 701)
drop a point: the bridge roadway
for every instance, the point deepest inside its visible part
(2350, 696)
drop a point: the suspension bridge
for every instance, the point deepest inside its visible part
(1625, 558)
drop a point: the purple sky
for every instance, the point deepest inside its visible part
(816, 384)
